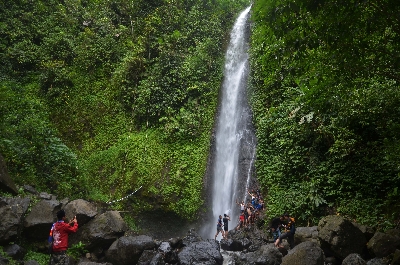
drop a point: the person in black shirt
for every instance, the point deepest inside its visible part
(225, 220)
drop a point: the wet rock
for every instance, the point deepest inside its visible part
(306, 253)
(191, 237)
(201, 252)
(169, 254)
(340, 236)
(100, 232)
(39, 221)
(127, 250)
(176, 242)
(304, 234)
(383, 244)
(83, 210)
(12, 211)
(354, 259)
(30, 189)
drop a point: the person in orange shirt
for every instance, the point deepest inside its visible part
(59, 238)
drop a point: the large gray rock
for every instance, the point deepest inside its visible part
(169, 254)
(383, 244)
(100, 232)
(354, 259)
(127, 250)
(6, 183)
(265, 255)
(306, 253)
(12, 211)
(339, 236)
(304, 234)
(83, 210)
(151, 257)
(39, 221)
(15, 251)
(201, 252)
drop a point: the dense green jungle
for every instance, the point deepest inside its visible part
(101, 97)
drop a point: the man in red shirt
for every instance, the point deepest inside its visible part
(59, 237)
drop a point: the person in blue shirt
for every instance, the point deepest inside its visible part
(219, 227)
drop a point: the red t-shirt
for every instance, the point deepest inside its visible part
(241, 217)
(59, 231)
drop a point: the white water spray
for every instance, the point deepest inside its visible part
(230, 126)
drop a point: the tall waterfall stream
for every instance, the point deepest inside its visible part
(234, 139)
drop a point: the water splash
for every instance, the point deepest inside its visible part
(232, 120)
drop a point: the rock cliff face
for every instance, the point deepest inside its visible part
(108, 240)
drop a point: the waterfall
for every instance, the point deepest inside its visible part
(232, 133)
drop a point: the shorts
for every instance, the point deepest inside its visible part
(225, 228)
(219, 229)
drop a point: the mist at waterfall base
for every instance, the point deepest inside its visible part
(231, 132)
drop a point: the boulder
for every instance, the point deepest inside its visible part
(377, 261)
(366, 230)
(339, 236)
(100, 232)
(127, 250)
(191, 237)
(30, 189)
(176, 242)
(265, 255)
(12, 211)
(14, 251)
(6, 183)
(306, 253)
(396, 258)
(304, 234)
(151, 257)
(39, 221)
(354, 259)
(383, 244)
(201, 252)
(169, 254)
(83, 210)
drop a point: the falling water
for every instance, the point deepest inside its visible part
(231, 128)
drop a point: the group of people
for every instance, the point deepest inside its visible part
(249, 212)
(286, 224)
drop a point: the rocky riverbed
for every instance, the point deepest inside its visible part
(108, 239)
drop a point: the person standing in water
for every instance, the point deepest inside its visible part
(219, 227)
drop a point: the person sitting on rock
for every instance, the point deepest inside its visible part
(219, 227)
(290, 229)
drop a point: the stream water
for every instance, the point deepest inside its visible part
(232, 133)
